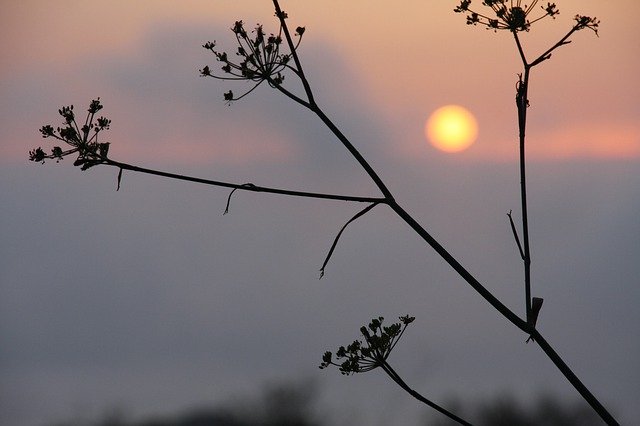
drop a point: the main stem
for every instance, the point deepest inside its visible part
(526, 326)
(522, 103)
(573, 379)
(522, 121)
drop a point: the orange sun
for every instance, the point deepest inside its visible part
(451, 128)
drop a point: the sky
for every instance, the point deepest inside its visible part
(149, 299)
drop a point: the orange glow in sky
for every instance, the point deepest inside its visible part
(401, 62)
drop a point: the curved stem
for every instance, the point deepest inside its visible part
(335, 240)
(396, 378)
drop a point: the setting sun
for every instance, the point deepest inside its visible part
(451, 128)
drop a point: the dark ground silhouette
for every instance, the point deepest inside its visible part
(295, 404)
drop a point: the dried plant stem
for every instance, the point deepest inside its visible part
(240, 186)
(573, 379)
(525, 325)
(311, 104)
(522, 103)
(396, 378)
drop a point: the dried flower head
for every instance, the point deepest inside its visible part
(259, 58)
(583, 22)
(510, 15)
(363, 356)
(82, 139)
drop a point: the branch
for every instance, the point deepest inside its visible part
(282, 16)
(292, 96)
(244, 186)
(461, 270)
(572, 378)
(354, 152)
(520, 49)
(546, 55)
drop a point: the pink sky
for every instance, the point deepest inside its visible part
(401, 64)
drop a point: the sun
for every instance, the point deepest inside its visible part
(451, 128)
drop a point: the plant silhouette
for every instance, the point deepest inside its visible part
(270, 58)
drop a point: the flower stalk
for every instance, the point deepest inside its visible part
(373, 352)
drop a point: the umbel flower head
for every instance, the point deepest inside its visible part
(515, 15)
(82, 139)
(363, 356)
(259, 58)
(506, 14)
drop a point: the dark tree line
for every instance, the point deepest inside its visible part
(296, 404)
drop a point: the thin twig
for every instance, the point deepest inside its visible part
(119, 179)
(226, 209)
(335, 241)
(515, 234)
(546, 55)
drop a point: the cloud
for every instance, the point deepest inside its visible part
(163, 113)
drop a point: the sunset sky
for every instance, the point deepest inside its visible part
(149, 299)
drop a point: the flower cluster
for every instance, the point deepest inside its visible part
(83, 140)
(513, 15)
(507, 14)
(583, 22)
(259, 58)
(379, 341)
